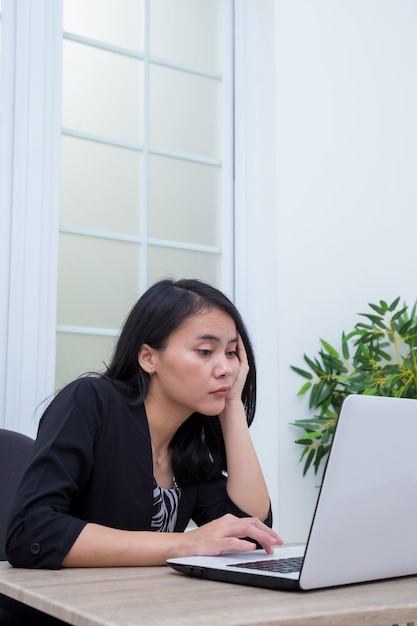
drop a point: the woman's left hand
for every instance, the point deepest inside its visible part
(246, 485)
(239, 383)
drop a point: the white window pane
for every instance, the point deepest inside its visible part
(78, 354)
(102, 92)
(166, 262)
(100, 186)
(189, 32)
(187, 207)
(97, 281)
(118, 22)
(185, 112)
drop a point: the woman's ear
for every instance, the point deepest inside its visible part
(146, 358)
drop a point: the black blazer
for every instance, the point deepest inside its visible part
(92, 462)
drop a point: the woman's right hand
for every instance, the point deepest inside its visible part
(227, 533)
(100, 546)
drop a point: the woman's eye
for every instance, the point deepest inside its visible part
(232, 354)
(204, 352)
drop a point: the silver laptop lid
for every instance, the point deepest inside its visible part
(365, 523)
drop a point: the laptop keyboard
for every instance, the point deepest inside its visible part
(282, 566)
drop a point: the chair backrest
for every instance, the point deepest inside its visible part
(14, 453)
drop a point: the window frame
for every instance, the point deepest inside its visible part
(31, 110)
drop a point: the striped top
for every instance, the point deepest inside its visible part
(165, 507)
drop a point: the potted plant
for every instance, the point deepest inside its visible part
(378, 357)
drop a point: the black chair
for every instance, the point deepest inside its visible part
(14, 453)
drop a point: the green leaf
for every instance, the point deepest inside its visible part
(332, 364)
(403, 330)
(301, 372)
(345, 346)
(393, 304)
(378, 309)
(308, 438)
(398, 314)
(375, 320)
(304, 389)
(329, 349)
(319, 393)
(364, 326)
(384, 355)
(364, 350)
(315, 366)
(304, 452)
(308, 462)
(312, 424)
(327, 435)
(321, 452)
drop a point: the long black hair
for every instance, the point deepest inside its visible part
(197, 448)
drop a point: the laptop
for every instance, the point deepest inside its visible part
(364, 526)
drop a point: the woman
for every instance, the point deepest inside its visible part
(161, 438)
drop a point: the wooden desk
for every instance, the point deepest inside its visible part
(159, 596)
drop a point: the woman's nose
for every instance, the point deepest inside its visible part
(223, 368)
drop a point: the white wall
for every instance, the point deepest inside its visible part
(346, 190)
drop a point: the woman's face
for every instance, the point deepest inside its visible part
(198, 366)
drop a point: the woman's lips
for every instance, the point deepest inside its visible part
(221, 391)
